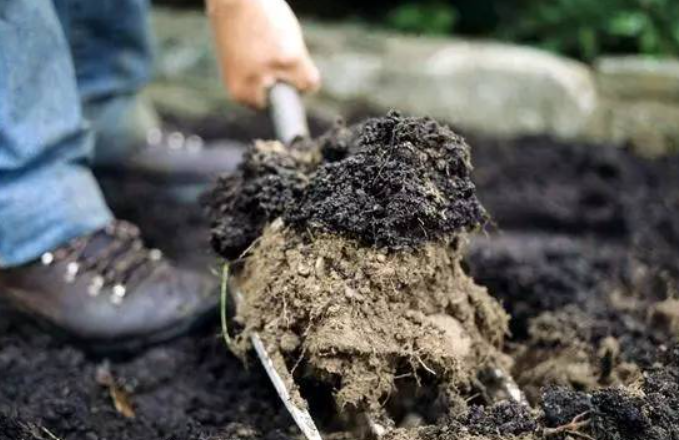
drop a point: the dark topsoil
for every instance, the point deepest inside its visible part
(395, 182)
(582, 249)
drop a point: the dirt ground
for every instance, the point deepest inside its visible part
(582, 251)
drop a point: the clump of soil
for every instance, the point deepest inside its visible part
(403, 182)
(393, 181)
(356, 276)
(503, 420)
(647, 409)
(361, 318)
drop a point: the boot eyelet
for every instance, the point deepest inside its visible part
(194, 144)
(47, 258)
(95, 286)
(118, 294)
(176, 141)
(154, 137)
(155, 255)
(72, 271)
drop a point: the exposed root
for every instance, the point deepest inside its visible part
(573, 428)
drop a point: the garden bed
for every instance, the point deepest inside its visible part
(582, 251)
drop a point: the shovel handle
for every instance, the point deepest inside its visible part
(287, 112)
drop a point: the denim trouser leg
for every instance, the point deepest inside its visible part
(47, 192)
(111, 46)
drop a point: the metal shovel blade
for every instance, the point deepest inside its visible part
(282, 381)
(289, 119)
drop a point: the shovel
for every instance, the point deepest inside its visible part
(289, 121)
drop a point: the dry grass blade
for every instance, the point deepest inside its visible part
(49, 433)
(572, 428)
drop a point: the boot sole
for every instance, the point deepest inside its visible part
(110, 348)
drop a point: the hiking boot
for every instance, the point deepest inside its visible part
(109, 291)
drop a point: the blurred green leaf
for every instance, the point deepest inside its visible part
(423, 18)
(588, 42)
(627, 24)
(581, 28)
(649, 41)
(588, 28)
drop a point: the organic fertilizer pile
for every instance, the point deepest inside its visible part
(582, 251)
(354, 269)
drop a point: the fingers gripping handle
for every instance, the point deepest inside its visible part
(287, 112)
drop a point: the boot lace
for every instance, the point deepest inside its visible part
(114, 256)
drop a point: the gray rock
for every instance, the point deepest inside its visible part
(651, 128)
(637, 77)
(496, 88)
(490, 87)
(640, 103)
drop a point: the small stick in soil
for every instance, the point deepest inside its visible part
(572, 428)
(419, 359)
(301, 355)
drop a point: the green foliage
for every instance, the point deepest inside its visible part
(580, 28)
(588, 28)
(428, 17)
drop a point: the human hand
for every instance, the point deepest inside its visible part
(259, 43)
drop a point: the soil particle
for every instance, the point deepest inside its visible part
(14, 429)
(502, 419)
(646, 410)
(618, 415)
(563, 404)
(370, 317)
(664, 316)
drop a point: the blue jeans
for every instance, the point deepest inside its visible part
(60, 62)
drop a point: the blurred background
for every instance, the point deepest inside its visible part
(602, 71)
(580, 28)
